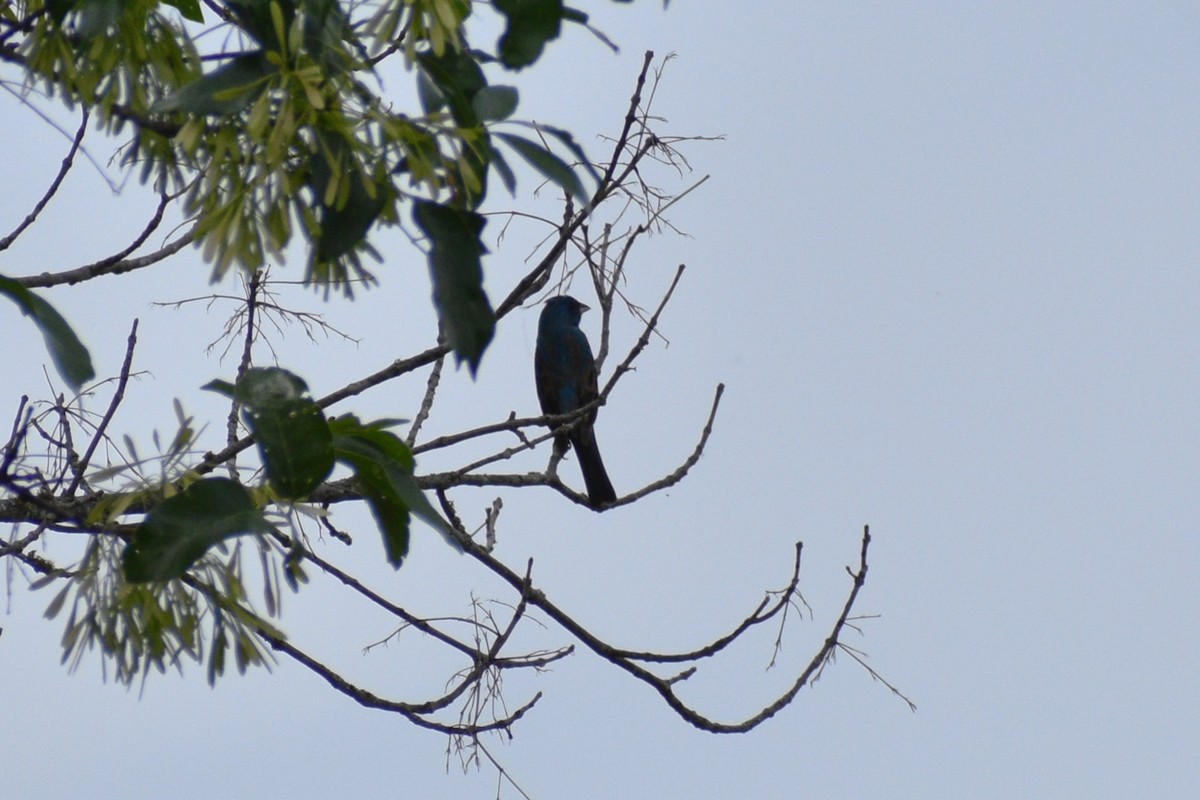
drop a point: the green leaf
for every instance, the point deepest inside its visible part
(410, 492)
(494, 103)
(261, 386)
(455, 250)
(428, 93)
(457, 81)
(224, 91)
(390, 512)
(221, 387)
(254, 17)
(531, 23)
(344, 224)
(296, 446)
(57, 603)
(383, 466)
(291, 431)
(100, 16)
(216, 659)
(180, 530)
(70, 357)
(189, 8)
(397, 460)
(547, 163)
(505, 172)
(569, 142)
(458, 77)
(58, 9)
(580, 17)
(376, 435)
(327, 30)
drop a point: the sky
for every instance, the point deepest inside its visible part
(945, 265)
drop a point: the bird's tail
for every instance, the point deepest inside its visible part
(595, 477)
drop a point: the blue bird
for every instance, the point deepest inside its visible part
(565, 373)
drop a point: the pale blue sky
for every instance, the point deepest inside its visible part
(946, 265)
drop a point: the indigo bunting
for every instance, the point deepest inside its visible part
(565, 373)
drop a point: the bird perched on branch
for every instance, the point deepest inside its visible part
(565, 372)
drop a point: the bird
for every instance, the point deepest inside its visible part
(565, 373)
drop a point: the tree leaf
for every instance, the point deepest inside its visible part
(58, 9)
(458, 77)
(180, 530)
(531, 23)
(580, 17)
(428, 93)
(70, 357)
(387, 507)
(375, 434)
(455, 250)
(383, 465)
(223, 91)
(254, 17)
(98, 17)
(344, 224)
(569, 142)
(395, 457)
(296, 446)
(505, 172)
(547, 163)
(405, 485)
(190, 9)
(291, 431)
(494, 103)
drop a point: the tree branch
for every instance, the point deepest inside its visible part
(118, 396)
(107, 266)
(63, 169)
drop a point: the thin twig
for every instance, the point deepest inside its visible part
(63, 169)
(231, 422)
(644, 339)
(536, 277)
(118, 396)
(665, 686)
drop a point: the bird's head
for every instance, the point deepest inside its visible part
(563, 310)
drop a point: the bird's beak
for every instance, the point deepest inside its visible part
(583, 308)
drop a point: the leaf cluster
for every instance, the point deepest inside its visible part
(298, 447)
(283, 129)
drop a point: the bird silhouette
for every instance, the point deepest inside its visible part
(565, 373)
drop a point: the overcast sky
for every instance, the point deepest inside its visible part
(946, 266)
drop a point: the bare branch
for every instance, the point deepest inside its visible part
(861, 658)
(678, 475)
(63, 169)
(413, 712)
(431, 387)
(665, 686)
(644, 339)
(357, 586)
(118, 396)
(536, 278)
(108, 267)
(762, 613)
(251, 332)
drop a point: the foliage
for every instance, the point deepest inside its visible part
(290, 133)
(280, 129)
(71, 358)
